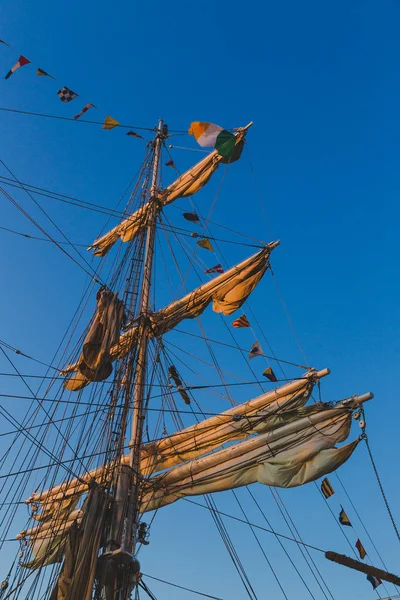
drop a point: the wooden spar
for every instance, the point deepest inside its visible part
(346, 561)
(355, 400)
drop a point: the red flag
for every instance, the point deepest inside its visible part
(84, 109)
(20, 63)
(217, 269)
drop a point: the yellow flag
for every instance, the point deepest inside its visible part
(110, 123)
(205, 243)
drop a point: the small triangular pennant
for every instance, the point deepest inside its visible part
(191, 217)
(110, 123)
(256, 350)
(205, 243)
(42, 73)
(241, 322)
(134, 134)
(361, 550)
(217, 269)
(343, 518)
(269, 374)
(326, 488)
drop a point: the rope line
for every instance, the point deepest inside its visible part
(273, 532)
(286, 362)
(381, 488)
(181, 587)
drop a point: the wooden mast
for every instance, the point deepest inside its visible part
(121, 567)
(143, 335)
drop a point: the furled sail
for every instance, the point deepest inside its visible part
(186, 185)
(288, 456)
(257, 415)
(75, 534)
(296, 446)
(82, 548)
(95, 362)
(227, 292)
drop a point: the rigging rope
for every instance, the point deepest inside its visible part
(295, 532)
(260, 545)
(281, 535)
(49, 218)
(34, 222)
(33, 114)
(381, 488)
(286, 362)
(362, 524)
(36, 238)
(182, 587)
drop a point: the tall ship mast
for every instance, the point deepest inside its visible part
(95, 476)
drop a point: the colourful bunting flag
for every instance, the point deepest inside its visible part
(343, 518)
(84, 109)
(326, 488)
(256, 350)
(269, 374)
(66, 95)
(20, 63)
(217, 269)
(361, 549)
(241, 322)
(42, 73)
(374, 581)
(191, 217)
(205, 243)
(110, 123)
(208, 134)
(134, 134)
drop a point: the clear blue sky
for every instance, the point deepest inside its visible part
(321, 83)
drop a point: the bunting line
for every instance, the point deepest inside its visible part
(66, 95)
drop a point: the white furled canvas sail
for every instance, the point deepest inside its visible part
(255, 415)
(49, 539)
(296, 446)
(227, 292)
(186, 185)
(300, 451)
